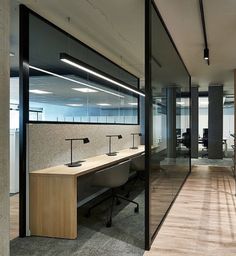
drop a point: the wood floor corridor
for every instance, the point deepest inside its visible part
(202, 221)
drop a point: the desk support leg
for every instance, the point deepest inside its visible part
(53, 206)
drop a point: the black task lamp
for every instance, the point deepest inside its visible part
(77, 163)
(133, 134)
(109, 146)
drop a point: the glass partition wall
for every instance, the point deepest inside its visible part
(167, 121)
(70, 82)
(64, 81)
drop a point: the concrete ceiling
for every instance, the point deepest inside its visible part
(113, 28)
(182, 18)
(116, 29)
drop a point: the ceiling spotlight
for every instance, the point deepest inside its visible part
(206, 54)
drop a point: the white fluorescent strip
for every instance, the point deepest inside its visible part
(36, 91)
(74, 81)
(103, 104)
(133, 104)
(75, 105)
(100, 76)
(203, 101)
(85, 90)
(180, 103)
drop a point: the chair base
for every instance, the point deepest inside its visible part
(113, 196)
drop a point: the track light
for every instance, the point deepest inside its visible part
(206, 54)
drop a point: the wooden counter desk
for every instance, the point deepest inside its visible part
(53, 194)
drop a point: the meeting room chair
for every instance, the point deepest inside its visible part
(113, 178)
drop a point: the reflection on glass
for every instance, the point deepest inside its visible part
(64, 93)
(170, 137)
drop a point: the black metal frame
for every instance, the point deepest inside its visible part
(29, 11)
(24, 113)
(148, 117)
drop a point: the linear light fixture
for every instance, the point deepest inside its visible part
(74, 81)
(74, 105)
(180, 103)
(91, 70)
(133, 103)
(36, 91)
(85, 90)
(103, 104)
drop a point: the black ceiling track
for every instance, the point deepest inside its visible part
(204, 29)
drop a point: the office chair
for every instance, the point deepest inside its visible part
(138, 166)
(205, 142)
(112, 177)
(186, 138)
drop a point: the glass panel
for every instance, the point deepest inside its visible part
(170, 116)
(62, 92)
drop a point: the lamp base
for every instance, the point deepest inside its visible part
(75, 164)
(134, 148)
(112, 154)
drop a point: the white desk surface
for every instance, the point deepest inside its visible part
(91, 164)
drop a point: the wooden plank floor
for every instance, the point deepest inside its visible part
(14, 216)
(202, 221)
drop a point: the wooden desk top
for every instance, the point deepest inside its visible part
(91, 164)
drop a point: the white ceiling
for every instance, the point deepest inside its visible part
(182, 18)
(116, 29)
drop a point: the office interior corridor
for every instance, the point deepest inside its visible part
(202, 221)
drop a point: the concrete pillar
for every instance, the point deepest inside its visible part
(215, 122)
(4, 127)
(171, 122)
(194, 122)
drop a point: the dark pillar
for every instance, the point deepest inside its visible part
(142, 118)
(171, 122)
(215, 122)
(194, 122)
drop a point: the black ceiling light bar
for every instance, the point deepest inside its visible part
(66, 58)
(206, 49)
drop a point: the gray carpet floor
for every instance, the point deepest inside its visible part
(124, 238)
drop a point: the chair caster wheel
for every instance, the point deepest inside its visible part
(136, 209)
(108, 224)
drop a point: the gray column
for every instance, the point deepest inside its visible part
(4, 127)
(215, 122)
(194, 122)
(171, 122)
